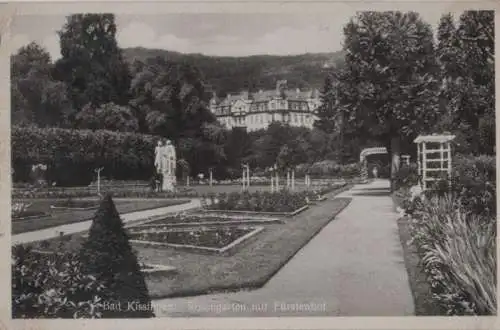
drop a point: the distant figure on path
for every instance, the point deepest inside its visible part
(375, 172)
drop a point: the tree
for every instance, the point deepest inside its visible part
(92, 64)
(108, 256)
(327, 114)
(477, 81)
(169, 99)
(37, 99)
(388, 89)
(465, 53)
(107, 116)
(238, 148)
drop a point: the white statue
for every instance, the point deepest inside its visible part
(165, 163)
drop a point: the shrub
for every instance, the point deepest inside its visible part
(474, 180)
(108, 256)
(329, 168)
(458, 255)
(52, 287)
(407, 176)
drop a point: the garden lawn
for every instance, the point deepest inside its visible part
(251, 266)
(64, 216)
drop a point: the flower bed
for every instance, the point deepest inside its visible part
(21, 211)
(51, 285)
(214, 237)
(25, 215)
(202, 218)
(247, 265)
(277, 202)
(118, 192)
(457, 252)
(71, 204)
(200, 239)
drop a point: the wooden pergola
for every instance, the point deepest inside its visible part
(434, 158)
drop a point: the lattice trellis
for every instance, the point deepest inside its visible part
(434, 158)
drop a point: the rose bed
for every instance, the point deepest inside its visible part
(201, 237)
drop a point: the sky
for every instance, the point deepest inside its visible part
(222, 34)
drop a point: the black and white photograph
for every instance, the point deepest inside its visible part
(336, 163)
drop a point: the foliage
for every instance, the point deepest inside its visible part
(329, 168)
(407, 176)
(474, 180)
(72, 155)
(91, 192)
(473, 183)
(92, 65)
(318, 193)
(108, 116)
(327, 115)
(458, 255)
(108, 256)
(466, 55)
(52, 287)
(19, 209)
(282, 201)
(234, 74)
(169, 99)
(36, 96)
(293, 147)
(389, 88)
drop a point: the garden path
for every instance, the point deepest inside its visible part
(353, 267)
(82, 226)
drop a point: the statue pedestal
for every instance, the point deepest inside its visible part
(168, 183)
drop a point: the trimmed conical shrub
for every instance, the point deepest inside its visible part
(108, 256)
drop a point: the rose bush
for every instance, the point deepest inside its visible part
(52, 286)
(282, 201)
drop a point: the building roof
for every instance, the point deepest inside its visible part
(264, 96)
(261, 96)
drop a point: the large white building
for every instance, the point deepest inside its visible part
(257, 110)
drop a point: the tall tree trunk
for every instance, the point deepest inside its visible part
(395, 152)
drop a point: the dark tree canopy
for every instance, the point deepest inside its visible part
(36, 97)
(327, 112)
(465, 51)
(389, 88)
(92, 64)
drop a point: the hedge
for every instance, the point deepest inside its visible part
(72, 155)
